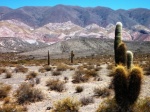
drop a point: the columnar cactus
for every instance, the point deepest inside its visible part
(127, 83)
(120, 86)
(48, 60)
(134, 86)
(127, 86)
(121, 55)
(129, 59)
(72, 56)
(118, 39)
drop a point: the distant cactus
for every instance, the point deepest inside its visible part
(118, 39)
(48, 56)
(127, 86)
(72, 56)
(129, 59)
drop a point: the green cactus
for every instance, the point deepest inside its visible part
(129, 59)
(48, 56)
(134, 86)
(120, 87)
(121, 54)
(72, 56)
(118, 39)
(127, 86)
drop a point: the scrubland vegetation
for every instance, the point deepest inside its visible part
(103, 83)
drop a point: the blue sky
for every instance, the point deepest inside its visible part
(114, 4)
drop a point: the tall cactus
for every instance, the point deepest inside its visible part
(120, 87)
(127, 86)
(129, 59)
(71, 56)
(118, 39)
(48, 58)
(127, 83)
(134, 86)
(121, 54)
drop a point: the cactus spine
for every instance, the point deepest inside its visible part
(72, 56)
(129, 59)
(48, 60)
(119, 46)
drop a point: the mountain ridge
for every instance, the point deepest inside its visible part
(40, 16)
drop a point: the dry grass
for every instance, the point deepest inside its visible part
(55, 84)
(142, 105)
(31, 75)
(3, 70)
(56, 73)
(108, 105)
(12, 108)
(21, 69)
(66, 105)
(62, 67)
(4, 90)
(26, 94)
(79, 77)
(105, 92)
(86, 100)
(45, 69)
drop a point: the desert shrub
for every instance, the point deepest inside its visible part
(105, 92)
(47, 68)
(42, 70)
(4, 90)
(110, 66)
(108, 105)
(37, 80)
(8, 75)
(56, 73)
(56, 85)
(21, 68)
(86, 100)
(3, 70)
(31, 75)
(62, 67)
(26, 94)
(66, 105)
(66, 79)
(79, 77)
(142, 105)
(12, 108)
(79, 89)
(91, 73)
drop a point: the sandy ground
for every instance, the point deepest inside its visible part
(51, 96)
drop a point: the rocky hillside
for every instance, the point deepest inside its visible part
(29, 28)
(86, 47)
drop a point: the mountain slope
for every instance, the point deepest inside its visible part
(86, 47)
(40, 16)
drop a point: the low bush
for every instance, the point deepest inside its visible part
(26, 94)
(66, 105)
(31, 75)
(86, 100)
(79, 89)
(21, 68)
(4, 90)
(56, 85)
(105, 92)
